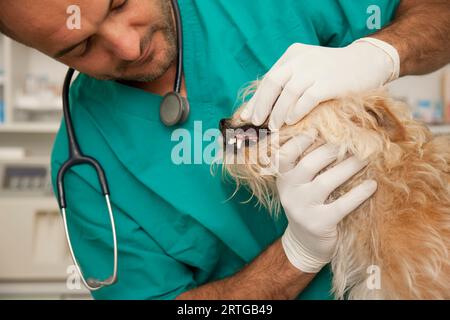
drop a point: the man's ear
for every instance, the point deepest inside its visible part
(386, 120)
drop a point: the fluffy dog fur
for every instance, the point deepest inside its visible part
(404, 229)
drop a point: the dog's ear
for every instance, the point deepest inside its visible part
(386, 120)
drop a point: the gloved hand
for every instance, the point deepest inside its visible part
(310, 238)
(307, 75)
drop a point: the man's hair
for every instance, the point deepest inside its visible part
(4, 29)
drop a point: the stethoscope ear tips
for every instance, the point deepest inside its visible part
(94, 283)
(174, 109)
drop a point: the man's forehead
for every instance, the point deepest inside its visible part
(47, 19)
(28, 12)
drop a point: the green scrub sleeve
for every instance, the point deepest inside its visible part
(340, 22)
(145, 271)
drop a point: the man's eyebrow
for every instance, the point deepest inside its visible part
(64, 51)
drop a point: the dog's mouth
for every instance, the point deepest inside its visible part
(237, 137)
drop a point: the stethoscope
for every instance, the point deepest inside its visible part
(174, 109)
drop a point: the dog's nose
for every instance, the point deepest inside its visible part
(223, 125)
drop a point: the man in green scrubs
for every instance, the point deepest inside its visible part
(178, 235)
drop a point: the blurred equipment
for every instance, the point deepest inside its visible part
(24, 178)
(39, 100)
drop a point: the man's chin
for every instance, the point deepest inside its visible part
(155, 71)
(137, 78)
(134, 77)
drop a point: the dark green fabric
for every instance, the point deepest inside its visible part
(176, 229)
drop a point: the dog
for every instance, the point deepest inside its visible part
(403, 231)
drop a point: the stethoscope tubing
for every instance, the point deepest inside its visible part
(76, 158)
(180, 41)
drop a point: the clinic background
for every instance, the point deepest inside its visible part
(34, 258)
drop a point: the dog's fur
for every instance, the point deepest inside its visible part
(404, 229)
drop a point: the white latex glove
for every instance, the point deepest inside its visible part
(307, 75)
(310, 238)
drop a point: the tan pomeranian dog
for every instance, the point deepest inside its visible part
(404, 229)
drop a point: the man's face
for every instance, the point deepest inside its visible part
(118, 39)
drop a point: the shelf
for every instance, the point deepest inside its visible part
(47, 201)
(34, 104)
(46, 128)
(38, 289)
(27, 160)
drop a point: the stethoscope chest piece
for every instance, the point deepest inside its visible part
(174, 109)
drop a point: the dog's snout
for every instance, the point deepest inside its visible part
(223, 125)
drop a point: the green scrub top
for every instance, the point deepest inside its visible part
(176, 228)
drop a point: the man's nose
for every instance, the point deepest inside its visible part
(124, 43)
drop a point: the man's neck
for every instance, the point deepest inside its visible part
(162, 85)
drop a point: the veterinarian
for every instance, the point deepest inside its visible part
(177, 235)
